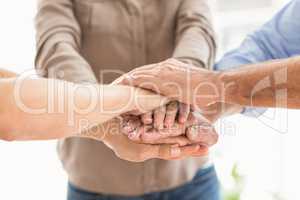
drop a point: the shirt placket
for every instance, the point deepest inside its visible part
(139, 59)
(138, 33)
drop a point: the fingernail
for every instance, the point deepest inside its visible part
(175, 152)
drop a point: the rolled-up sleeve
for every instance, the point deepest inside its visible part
(195, 38)
(58, 38)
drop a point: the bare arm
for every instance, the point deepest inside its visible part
(270, 84)
(57, 109)
(19, 124)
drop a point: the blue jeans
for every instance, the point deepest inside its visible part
(204, 186)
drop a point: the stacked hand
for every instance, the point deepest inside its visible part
(175, 125)
(163, 142)
(185, 83)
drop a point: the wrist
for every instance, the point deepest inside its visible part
(208, 87)
(117, 99)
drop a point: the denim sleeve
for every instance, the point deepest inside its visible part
(278, 38)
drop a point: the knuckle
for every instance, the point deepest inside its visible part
(172, 62)
(158, 112)
(172, 107)
(192, 135)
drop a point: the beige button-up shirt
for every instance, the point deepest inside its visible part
(97, 41)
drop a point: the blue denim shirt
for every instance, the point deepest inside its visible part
(278, 38)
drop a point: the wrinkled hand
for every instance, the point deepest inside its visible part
(165, 116)
(177, 80)
(126, 149)
(196, 130)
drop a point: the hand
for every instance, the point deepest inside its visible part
(165, 116)
(174, 79)
(138, 132)
(126, 149)
(196, 130)
(199, 127)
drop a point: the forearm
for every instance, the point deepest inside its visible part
(57, 109)
(270, 84)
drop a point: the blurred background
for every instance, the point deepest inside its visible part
(255, 158)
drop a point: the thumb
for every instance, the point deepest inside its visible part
(171, 152)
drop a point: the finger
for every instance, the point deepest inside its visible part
(134, 136)
(154, 135)
(184, 110)
(179, 140)
(141, 131)
(133, 133)
(147, 118)
(168, 152)
(200, 130)
(125, 77)
(192, 119)
(171, 113)
(159, 116)
(203, 151)
(194, 150)
(151, 135)
(195, 118)
(176, 130)
(129, 124)
(139, 76)
(128, 80)
(148, 67)
(146, 101)
(202, 134)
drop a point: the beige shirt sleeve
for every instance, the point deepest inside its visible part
(58, 43)
(195, 39)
